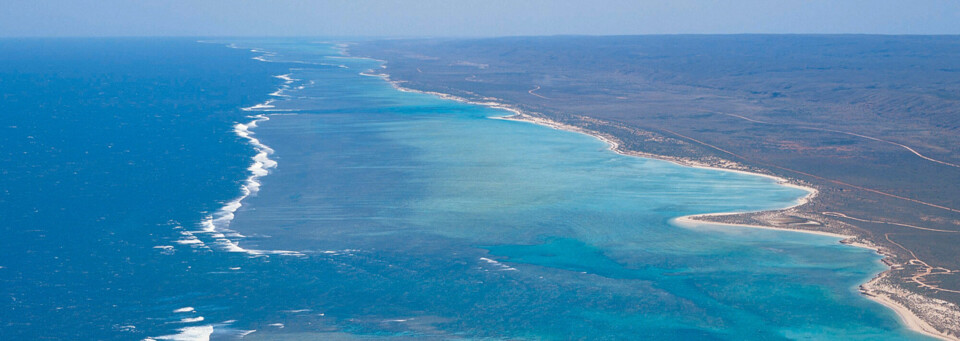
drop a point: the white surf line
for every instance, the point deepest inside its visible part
(286, 78)
(259, 107)
(191, 319)
(501, 266)
(911, 150)
(198, 333)
(204, 332)
(263, 55)
(335, 65)
(341, 48)
(217, 225)
(189, 239)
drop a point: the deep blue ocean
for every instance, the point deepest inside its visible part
(367, 212)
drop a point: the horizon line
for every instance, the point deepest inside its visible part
(383, 37)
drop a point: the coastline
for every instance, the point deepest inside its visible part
(909, 319)
(869, 290)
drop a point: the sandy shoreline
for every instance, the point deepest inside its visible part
(907, 317)
(868, 290)
(690, 221)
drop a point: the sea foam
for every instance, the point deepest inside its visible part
(217, 225)
(500, 266)
(198, 333)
